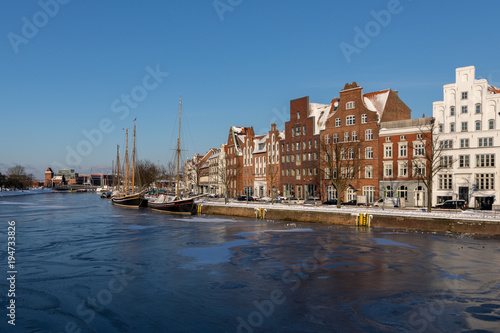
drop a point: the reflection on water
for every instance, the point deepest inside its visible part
(86, 265)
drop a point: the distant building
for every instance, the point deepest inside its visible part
(49, 175)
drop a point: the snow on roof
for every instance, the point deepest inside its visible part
(376, 101)
(493, 89)
(282, 135)
(238, 130)
(320, 114)
(260, 143)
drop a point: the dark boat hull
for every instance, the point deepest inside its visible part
(174, 207)
(129, 201)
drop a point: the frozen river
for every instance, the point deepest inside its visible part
(86, 266)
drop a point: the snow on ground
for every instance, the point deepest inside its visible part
(472, 215)
(23, 192)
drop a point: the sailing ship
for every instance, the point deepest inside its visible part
(132, 200)
(174, 204)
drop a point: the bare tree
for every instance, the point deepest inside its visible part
(273, 178)
(339, 163)
(18, 178)
(146, 172)
(428, 157)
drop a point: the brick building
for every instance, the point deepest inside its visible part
(300, 149)
(238, 138)
(403, 144)
(356, 120)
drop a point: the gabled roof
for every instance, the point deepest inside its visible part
(376, 101)
(258, 140)
(320, 113)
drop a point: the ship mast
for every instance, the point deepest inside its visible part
(118, 168)
(179, 146)
(133, 164)
(126, 162)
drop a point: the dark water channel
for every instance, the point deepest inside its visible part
(85, 266)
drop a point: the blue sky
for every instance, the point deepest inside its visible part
(238, 64)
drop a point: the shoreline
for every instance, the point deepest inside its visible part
(480, 223)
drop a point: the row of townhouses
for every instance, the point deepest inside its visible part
(383, 151)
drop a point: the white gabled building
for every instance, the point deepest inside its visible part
(468, 122)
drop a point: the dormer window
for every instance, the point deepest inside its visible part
(349, 105)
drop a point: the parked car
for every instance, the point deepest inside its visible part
(312, 202)
(264, 199)
(244, 198)
(387, 202)
(350, 203)
(295, 201)
(452, 204)
(330, 202)
(279, 199)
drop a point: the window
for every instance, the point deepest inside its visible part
(445, 161)
(364, 118)
(335, 137)
(337, 122)
(369, 152)
(419, 136)
(298, 158)
(485, 181)
(452, 127)
(419, 168)
(402, 138)
(440, 128)
(287, 147)
(485, 142)
(369, 171)
(419, 149)
(403, 150)
(387, 170)
(464, 95)
(478, 108)
(485, 160)
(369, 192)
(388, 192)
(369, 135)
(464, 109)
(297, 146)
(403, 192)
(478, 125)
(351, 153)
(445, 182)
(292, 157)
(310, 144)
(304, 130)
(452, 110)
(298, 114)
(464, 143)
(403, 169)
(387, 151)
(346, 137)
(446, 144)
(463, 161)
(349, 105)
(464, 126)
(315, 156)
(491, 124)
(327, 139)
(354, 135)
(297, 129)
(315, 143)
(282, 147)
(387, 139)
(350, 120)
(288, 158)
